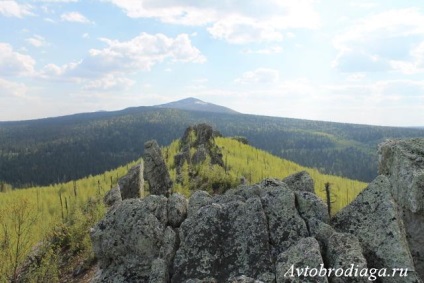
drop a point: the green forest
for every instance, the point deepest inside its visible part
(53, 150)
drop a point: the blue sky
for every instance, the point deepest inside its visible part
(346, 61)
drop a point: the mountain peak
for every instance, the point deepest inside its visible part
(195, 104)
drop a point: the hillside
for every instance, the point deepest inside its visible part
(45, 151)
(62, 213)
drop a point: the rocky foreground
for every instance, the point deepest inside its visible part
(257, 233)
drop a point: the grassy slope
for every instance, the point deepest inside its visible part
(255, 165)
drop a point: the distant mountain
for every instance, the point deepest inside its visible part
(194, 104)
(53, 150)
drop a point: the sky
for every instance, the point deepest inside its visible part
(347, 61)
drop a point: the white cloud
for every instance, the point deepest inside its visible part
(37, 41)
(58, 1)
(391, 40)
(108, 83)
(8, 88)
(107, 68)
(14, 9)
(74, 17)
(237, 22)
(265, 51)
(260, 75)
(13, 63)
(140, 54)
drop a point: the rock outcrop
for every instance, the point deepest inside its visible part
(132, 184)
(197, 145)
(374, 218)
(249, 234)
(402, 161)
(155, 171)
(259, 233)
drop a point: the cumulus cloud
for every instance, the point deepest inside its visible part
(37, 41)
(260, 75)
(8, 88)
(74, 17)
(266, 51)
(391, 40)
(58, 1)
(15, 9)
(109, 82)
(138, 54)
(13, 63)
(237, 22)
(107, 67)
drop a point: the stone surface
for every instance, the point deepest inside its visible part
(305, 254)
(223, 240)
(402, 161)
(113, 197)
(243, 279)
(342, 251)
(285, 225)
(198, 200)
(159, 271)
(132, 184)
(311, 206)
(169, 247)
(126, 242)
(301, 181)
(177, 209)
(374, 218)
(155, 171)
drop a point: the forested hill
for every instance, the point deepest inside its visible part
(52, 150)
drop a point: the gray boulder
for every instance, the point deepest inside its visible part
(224, 240)
(285, 224)
(177, 209)
(126, 242)
(374, 218)
(132, 184)
(159, 272)
(300, 181)
(343, 251)
(155, 171)
(402, 161)
(305, 256)
(310, 206)
(113, 197)
(198, 200)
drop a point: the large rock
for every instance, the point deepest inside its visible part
(343, 251)
(132, 184)
(402, 161)
(223, 238)
(306, 256)
(126, 242)
(374, 218)
(310, 206)
(196, 146)
(285, 224)
(113, 198)
(300, 181)
(177, 209)
(155, 171)
(339, 250)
